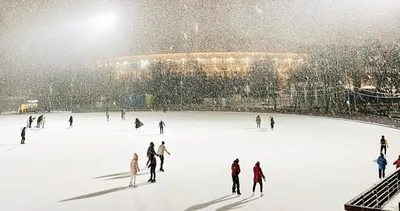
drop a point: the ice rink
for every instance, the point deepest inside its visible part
(311, 163)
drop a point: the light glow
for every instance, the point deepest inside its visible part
(102, 22)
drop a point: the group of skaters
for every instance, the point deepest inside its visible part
(271, 122)
(258, 177)
(138, 124)
(151, 163)
(381, 161)
(40, 124)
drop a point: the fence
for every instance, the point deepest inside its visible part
(377, 196)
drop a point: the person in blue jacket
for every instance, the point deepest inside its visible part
(381, 165)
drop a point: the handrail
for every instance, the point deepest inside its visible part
(375, 197)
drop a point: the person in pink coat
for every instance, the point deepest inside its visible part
(258, 176)
(134, 170)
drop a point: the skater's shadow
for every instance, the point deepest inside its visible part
(68, 128)
(99, 193)
(207, 204)
(120, 175)
(237, 205)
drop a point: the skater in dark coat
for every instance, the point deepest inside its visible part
(161, 125)
(384, 144)
(152, 166)
(30, 121)
(272, 123)
(258, 121)
(39, 121)
(235, 176)
(258, 176)
(71, 120)
(107, 115)
(150, 151)
(138, 123)
(381, 165)
(23, 135)
(122, 114)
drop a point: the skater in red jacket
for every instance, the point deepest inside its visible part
(258, 176)
(235, 176)
(397, 163)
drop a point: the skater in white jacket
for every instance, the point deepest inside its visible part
(134, 170)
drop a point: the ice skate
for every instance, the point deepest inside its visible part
(239, 193)
(162, 170)
(149, 180)
(261, 195)
(131, 185)
(252, 194)
(153, 181)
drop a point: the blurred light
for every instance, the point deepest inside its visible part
(230, 59)
(102, 22)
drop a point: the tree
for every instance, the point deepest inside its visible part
(264, 81)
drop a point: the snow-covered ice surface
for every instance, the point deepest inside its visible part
(311, 163)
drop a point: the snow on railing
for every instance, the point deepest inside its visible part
(377, 196)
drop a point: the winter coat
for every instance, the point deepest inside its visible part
(162, 149)
(235, 169)
(384, 142)
(161, 124)
(272, 121)
(138, 123)
(40, 118)
(23, 132)
(397, 163)
(153, 160)
(150, 151)
(381, 162)
(134, 164)
(258, 120)
(71, 119)
(258, 174)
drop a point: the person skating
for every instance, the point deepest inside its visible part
(258, 121)
(150, 151)
(71, 120)
(30, 121)
(122, 114)
(134, 170)
(161, 150)
(258, 176)
(397, 162)
(107, 115)
(23, 132)
(43, 121)
(152, 166)
(384, 144)
(272, 123)
(39, 121)
(138, 123)
(161, 125)
(235, 176)
(381, 165)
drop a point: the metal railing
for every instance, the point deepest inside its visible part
(377, 196)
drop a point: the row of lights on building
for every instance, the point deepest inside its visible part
(145, 63)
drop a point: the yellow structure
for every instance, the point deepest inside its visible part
(223, 63)
(31, 106)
